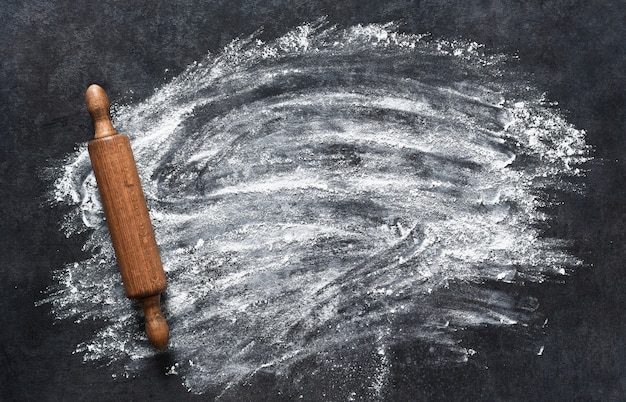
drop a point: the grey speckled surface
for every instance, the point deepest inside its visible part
(51, 51)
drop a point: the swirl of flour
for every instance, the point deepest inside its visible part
(330, 190)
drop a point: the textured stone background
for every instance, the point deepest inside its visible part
(51, 51)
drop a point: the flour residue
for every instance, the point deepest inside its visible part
(316, 198)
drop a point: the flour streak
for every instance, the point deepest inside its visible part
(314, 199)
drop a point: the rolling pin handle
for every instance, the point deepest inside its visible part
(98, 106)
(156, 326)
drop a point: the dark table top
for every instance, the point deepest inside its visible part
(51, 52)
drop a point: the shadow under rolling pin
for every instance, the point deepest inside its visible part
(127, 216)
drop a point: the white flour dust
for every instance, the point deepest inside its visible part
(317, 198)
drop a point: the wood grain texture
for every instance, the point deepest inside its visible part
(127, 216)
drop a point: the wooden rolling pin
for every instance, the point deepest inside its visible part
(127, 216)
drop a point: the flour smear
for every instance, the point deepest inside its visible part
(319, 200)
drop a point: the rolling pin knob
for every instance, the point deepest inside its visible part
(156, 326)
(98, 106)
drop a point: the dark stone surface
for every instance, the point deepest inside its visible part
(51, 51)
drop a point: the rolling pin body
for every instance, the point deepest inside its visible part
(127, 216)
